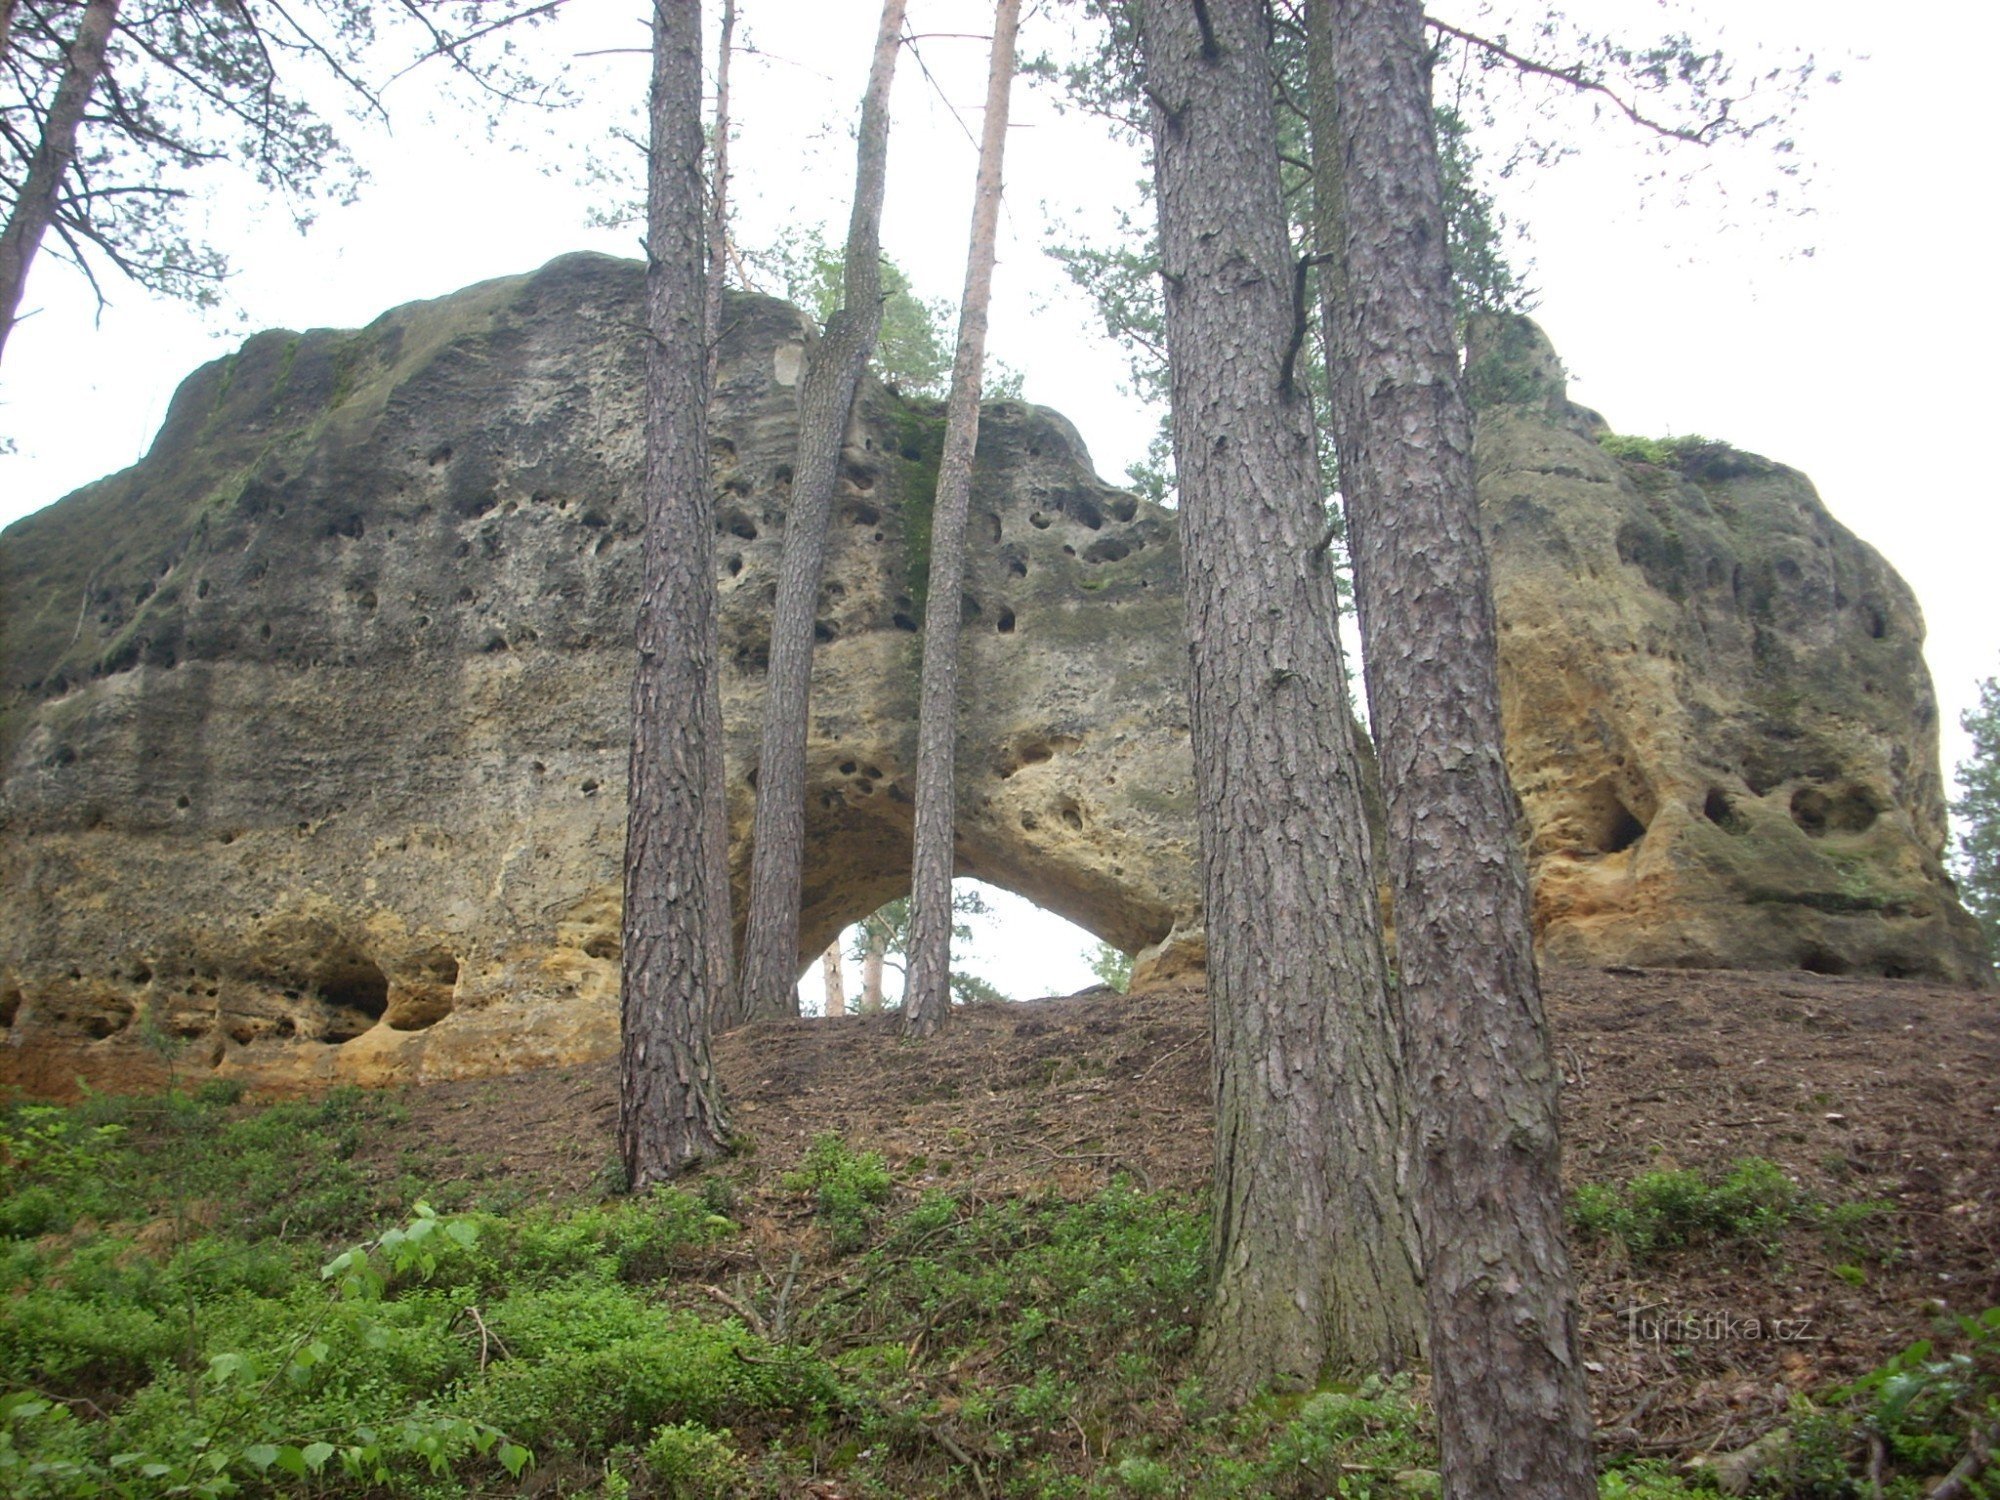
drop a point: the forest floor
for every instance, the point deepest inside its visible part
(1864, 1092)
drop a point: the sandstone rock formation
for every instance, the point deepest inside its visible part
(313, 723)
(316, 718)
(1717, 711)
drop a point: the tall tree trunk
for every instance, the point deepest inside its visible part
(1314, 1260)
(41, 189)
(927, 985)
(722, 956)
(718, 191)
(1508, 1381)
(669, 1105)
(834, 981)
(771, 959)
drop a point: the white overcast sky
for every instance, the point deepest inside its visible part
(1867, 363)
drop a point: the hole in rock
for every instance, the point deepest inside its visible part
(863, 515)
(1720, 811)
(824, 630)
(1849, 809)
(1039, 521)
(354, 991)
(992, 527)
(1017, 568)
(1122, 507)
(101, 1024)
(1822, 961)
(10, 1005)
(1607, 825)
(603, 945)
(1004, 622)
(736, 523)
(902, 621)
(735, 564)
(1107, 549)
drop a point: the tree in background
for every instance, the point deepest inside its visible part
(1978, 812)
(110, 113)
(767, 982)
(927, 982)
(1312, 1256)
(882, 942)
(1112, 966)
(669, 1102)
(910, 355)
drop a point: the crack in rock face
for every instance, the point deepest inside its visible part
(315, 720)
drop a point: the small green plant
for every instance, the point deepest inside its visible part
(1657, 1213)
(847, 1187)
(687, 1461)
(1139, 1475)
(1358, 1444)
(1645, 1479)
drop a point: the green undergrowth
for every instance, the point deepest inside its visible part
(1753, 1205)
(211, 1298)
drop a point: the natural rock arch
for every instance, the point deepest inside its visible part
(315, 720)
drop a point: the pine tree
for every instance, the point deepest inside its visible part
(768, 977)
(927, 985)
(1978, 813)
(1310, 1234)
(1513, 1418)
(669, 1103)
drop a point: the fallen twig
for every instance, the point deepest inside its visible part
(1979, 1453)
(742, 1310)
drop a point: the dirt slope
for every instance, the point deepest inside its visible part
(1859, 1089)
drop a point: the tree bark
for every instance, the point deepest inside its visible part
(1506, 1375)
(35, 206)
(1313, 1254)
(6, 26)
(834, 981)
(669, 1104)
(771, 958)
(722, 956)
(718, 192)
(927, 983)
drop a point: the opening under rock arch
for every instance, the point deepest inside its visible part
(1014, 949)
